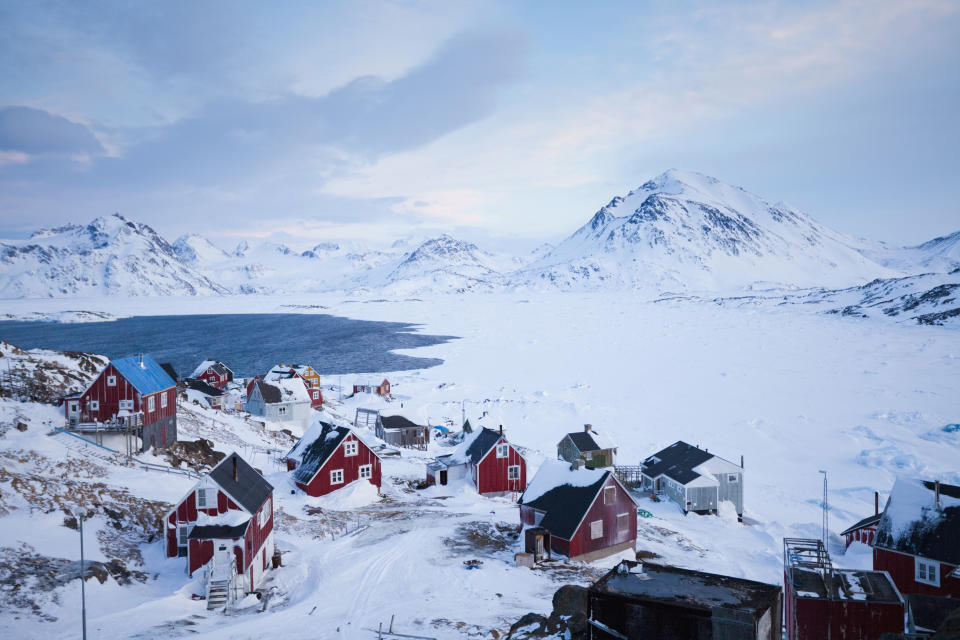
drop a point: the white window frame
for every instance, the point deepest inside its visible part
(206, 499)
(503, 450)
(111, 381)
(587, 455)
(927, 572)
(281, 411)
(183, 535)
(612, 492)
(350, 448)
(366, 471)
(513, 472)
(596, 529)
(627, 528)
(94, 405)
(163, 400)
(151, 403)
(74, 406)
(336, 476)
(264, 516)
(126, 404)
(316, 394)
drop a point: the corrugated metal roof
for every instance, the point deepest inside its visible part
(143, 373)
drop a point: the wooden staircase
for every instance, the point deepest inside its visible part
(217, 594)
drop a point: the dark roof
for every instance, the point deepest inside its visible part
(866, 522)
(584, 441)
(270, 393)
(143, 373)
(250, 490)
(215, 531)
(677, 462)
(484, 441)
(565, 506)
(689, 589)
(166, 366)
(931, 533)
(930, 612)
(197, 384)
(219, 368)
(397, 422)
(316, 453)
(843, 584)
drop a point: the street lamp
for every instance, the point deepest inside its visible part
(826, 515)
(81, 513)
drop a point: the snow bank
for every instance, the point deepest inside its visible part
(359, 493)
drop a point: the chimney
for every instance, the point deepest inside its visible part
(741, 461)
(876, 503)
(501, 429)
(235, 479)
(936, 492)
(588, 427)
(141, 361)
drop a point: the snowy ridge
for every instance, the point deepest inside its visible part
(109, 256)
(685, 231)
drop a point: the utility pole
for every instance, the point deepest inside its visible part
(340, 388)
(83, 583)
(826, 515)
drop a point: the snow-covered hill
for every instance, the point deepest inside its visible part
(685, 231)
(938, 255)
(445, 263)
(109, 256)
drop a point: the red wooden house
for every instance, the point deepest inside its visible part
(588, 512)
(382, 389)
(918, 538)
(130, 392)
(214, 373)
(329, 457)
(487, 459)
(226, 517)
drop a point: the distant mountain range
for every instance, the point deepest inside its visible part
(680, 233)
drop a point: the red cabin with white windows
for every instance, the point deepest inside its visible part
(231, 506)
(917, 538)
(214, 373)
(487, 459)
(328, 458)
(134, 391)
(382, 389)
(588, 512)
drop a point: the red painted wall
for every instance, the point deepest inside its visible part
(865, 535)
(320, 485)
(186, 513)
(213, 379)
(491, 473)
(109, 400)
(902, 568)
(847, 619)
(581, 542)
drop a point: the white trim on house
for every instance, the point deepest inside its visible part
(596, 529)
(336, 476)
(365, 472)
(350, 448)
(511, 474)
(926, 571)
(613, 477)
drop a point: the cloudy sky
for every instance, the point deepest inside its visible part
(498, 122)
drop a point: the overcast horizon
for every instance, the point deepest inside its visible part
(495, 122)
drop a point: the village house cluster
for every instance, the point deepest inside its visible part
(582, 506)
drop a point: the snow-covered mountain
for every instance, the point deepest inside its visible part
(685, 231)
(109, 256)
(938, 255)
(195, 249)
(448, 264)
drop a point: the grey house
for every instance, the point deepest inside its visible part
(593, 450)
(693, 478)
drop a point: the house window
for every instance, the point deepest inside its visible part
(366, 471)
(623, 522)
(203, 499)
(596, 529)
(316, 395)
(503, 450)
(350, 448)
(111, 381)
(183, 534)
(336, 476)
(151, 403)
(94, 405)
(587, 455)
(731, 477)
(126, 404)
(609, 495)
(513, 472)
(264, 514)
(928, 572)
(163, 400)
(74, 406)
(282, 410)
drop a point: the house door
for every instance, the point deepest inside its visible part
(539, 552)
(73, 409)
(443, 476)
(656, 485)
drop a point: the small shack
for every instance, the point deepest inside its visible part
(592, 449)
(658, 602)
(864, 530)
(822, 601)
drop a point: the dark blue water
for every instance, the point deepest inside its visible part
(248, 344)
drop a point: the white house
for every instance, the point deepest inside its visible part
(284, 401)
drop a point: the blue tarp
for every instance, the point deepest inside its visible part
(148, 378)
